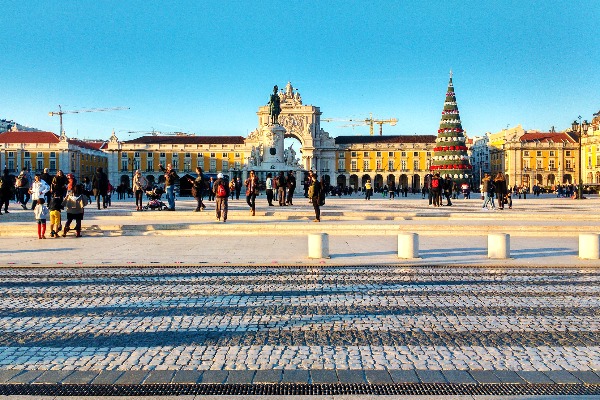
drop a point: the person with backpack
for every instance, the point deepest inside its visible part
(221, 191)
(435, 190)
(251, 191)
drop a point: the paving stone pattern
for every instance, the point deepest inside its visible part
(354, 325)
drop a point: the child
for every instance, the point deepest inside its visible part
(74, 203)
(55, 220)
(41, 214)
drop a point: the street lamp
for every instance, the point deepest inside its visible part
(581, 128)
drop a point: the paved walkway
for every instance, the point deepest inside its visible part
(234, 309)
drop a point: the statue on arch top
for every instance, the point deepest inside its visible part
(274, 106)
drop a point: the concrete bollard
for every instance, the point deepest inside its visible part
(408, 245)
(318, 245)
(498, 245)
(589, 246)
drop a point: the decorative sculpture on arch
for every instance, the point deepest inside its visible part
(274, 106)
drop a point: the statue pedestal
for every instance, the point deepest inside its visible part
(273, 147)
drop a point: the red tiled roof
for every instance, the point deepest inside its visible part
(28, 137)
(385, 139)
(558, 137)
(186, 140)
(87, 144)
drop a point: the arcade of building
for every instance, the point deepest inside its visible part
(343, 160)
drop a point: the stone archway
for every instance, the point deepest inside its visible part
(404, 181)
(391, 180)
(341, 181)
(567, 178)
(597, 177)
(590, 178)
(364, 179)
(354, 181)
(551, 180)
(539, 179)
(416, 183)
(378, 184)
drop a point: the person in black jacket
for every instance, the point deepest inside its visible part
(100, 187)
(6, 187)
(281, 186)
(291, 186)
(315, 194)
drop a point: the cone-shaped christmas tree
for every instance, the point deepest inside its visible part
(450, 153)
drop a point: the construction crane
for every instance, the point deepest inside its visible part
(60, 113)
(367, 121)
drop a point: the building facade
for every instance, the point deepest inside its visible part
(37, 150)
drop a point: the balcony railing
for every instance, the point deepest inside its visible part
(341, 169)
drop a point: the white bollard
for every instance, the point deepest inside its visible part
(408, 245)
(318, 245)
(498, 245)
(589, 246)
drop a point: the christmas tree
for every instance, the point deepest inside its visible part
(450, 152)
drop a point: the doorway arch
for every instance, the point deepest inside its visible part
(341, 181)
(365, 178)
(354, 181)
(416, 183)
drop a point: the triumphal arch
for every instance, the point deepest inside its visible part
(295, 120)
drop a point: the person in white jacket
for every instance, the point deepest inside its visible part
(41, 214)
(38, 190)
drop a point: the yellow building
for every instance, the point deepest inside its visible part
(590, 143)
(384, 160)
(39, 150)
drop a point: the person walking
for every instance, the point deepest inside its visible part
(211, 193)
(501, 189)
(281, 186)
(221, 194)
(435, 190)
(291, 187)
(238, 188)
(100, 186)
(170, 180)
(74, 204)
(251, 191)
(40, 211)
(46, 177)
(232, 188)
(269, 189)
(198, 186)
(448, 187)
(139, 185)
(314, 195)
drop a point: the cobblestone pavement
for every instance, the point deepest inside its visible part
(303, 319)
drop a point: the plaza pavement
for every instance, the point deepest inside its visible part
(240, 303)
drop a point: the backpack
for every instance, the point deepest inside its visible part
(435, 183)
(221, 192)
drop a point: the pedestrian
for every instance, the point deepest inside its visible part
(238, 188)
(6, 187)
(74, 204)
(487, 190)
(221, 194)
(59, 183)
(269, 189)
(314, 195)
(501, 189)
(281, 186)
(38, 190)
(55, 206)
(291, 187)
(41, 213)
(46, 177)
(435, 190)
(211, 193)
(198, 186)
(448, 186)
(87, 189)
(170, 180)
(232, 188)
(22, 187)
(71, 182)
(392, 190)
(100, 186)
(251, 191)
(368, 189)
(139, 184)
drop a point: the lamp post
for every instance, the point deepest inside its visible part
(581, 128)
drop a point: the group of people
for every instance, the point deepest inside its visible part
(495, 187)
(50, 195)
(281, 188)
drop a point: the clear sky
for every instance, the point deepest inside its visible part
(206, 66)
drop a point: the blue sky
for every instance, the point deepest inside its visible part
(206, 67)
